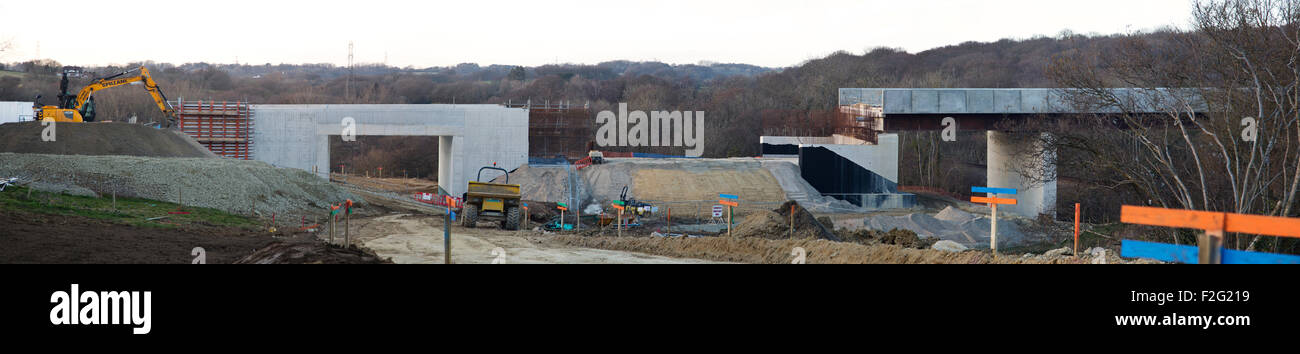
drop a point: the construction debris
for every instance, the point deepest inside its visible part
(312, 252)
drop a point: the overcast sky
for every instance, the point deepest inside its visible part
(440, 33)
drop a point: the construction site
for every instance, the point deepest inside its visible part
(516, 183)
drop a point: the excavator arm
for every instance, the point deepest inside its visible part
(118, 80)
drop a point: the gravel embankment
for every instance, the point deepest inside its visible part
(235, 186)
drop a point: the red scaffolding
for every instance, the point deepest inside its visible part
(225, 128)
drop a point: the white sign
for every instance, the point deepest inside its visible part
(717, 211)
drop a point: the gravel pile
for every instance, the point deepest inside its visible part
(236, 186)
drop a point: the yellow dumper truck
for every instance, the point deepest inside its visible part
(492, 201)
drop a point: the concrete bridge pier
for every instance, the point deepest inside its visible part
(1010, 155)
(447, 150)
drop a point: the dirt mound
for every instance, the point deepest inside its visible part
(548, 183)
(951, 214)
(542, 212)
(905, 238)
(99, 139)
(775, 224)
(311, 252)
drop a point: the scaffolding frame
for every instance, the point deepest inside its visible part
(557, 128)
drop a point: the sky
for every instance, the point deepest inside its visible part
(441, 33)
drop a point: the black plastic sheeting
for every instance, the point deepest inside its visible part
(780, 149)
(832, 174)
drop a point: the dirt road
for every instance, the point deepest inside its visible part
(418, 239)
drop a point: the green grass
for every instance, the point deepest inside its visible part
(128, 211)
(17, 74)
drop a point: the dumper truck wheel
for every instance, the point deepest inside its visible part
(469, 215)
(512, 218)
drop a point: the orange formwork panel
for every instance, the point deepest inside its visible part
(223, 127)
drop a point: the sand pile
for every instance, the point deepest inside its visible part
(547, 184)
(951, 224)
(99, 139)
(775, 224)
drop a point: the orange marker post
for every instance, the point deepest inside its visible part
(1076, 230)
(562, 210)
(792, 221)
(729, 204)
(619, 220)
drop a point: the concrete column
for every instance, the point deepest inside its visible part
(322, 156)
(446, 179)
(1008, 155)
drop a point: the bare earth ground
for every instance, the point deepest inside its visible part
(418, 239)
(41, 238)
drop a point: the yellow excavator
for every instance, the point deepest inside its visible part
(81, 108)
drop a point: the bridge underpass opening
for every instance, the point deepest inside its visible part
(414, 158)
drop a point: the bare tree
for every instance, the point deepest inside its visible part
(1235, 70)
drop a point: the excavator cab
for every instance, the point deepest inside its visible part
(62, 112)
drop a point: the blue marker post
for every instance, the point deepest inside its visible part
(446, 236)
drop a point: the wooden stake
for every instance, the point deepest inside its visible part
(347, 227)
(1211, 247)
(620, 223)
(791, 221)
(670, 220)
(728, 221)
